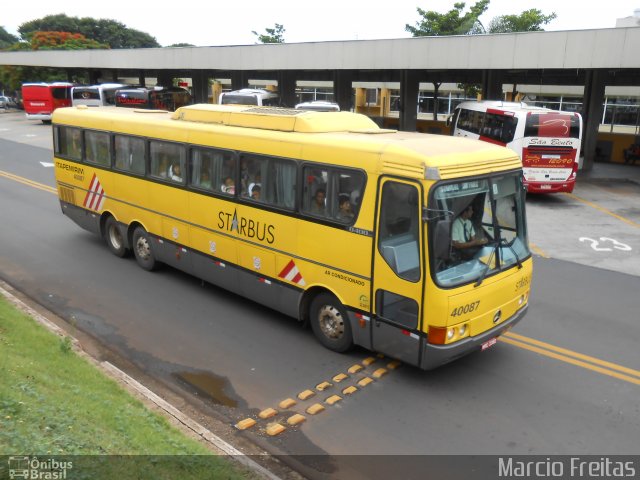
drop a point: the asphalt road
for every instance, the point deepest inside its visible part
(565, 381)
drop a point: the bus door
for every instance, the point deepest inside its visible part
(398, 276)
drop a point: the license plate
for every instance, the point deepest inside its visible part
(545, 187)
(489, 343)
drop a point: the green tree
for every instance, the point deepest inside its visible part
(454, 23)
(528, 21)
(107, 32)
(272, 35)
(6, 39)
(450, 23)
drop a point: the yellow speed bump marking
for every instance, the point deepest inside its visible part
(267, 413)
(287, 403)
(246, 423)
(379, 372)
(333, 399)
(394, 364)
(364, 382)
(315, 409)
(350, 390)
(275, 429)
(323, 386)
(306, 394)
(355, 368)
(368, 361)
(340, 377)
(296, 419)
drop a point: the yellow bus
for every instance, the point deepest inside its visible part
(322, 216)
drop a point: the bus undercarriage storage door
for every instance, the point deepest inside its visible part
(398, 272)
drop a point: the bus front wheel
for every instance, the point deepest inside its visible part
(113, 237)
(142, 249)
(330, 323)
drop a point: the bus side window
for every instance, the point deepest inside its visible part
(167, 161)
(130, 154)
(97, 148)
(70, 143)
(277, 181)
(314, 200)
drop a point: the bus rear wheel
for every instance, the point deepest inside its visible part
(113, 237)
(330, 323)
(142, 249)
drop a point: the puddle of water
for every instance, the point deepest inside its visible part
(208, 385)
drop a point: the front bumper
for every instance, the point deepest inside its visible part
(436, 355)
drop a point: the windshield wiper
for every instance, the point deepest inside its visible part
(508, 245)
(488, 265)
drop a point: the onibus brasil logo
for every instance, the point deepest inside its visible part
(40, 469)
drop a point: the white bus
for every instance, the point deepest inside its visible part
(250, 96)
(547, 141)
(319, 106)
(96, 95)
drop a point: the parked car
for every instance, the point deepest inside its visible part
(6, 102)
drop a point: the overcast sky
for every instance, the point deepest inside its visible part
(231, 22)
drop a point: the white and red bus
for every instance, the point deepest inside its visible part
(41, 99)
(103, 95)
(547, 141)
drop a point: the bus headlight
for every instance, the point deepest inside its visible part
(451, 333)
(462, 330)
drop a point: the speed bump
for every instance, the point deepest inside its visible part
(365, 381)
(368, 361)
(355, 368)
(287, 403)
(267, 413)
(315, 409)
(275, 429)
(340, 377)
(296, 419)
(323, 386)
(350, 390)
(333, 399)
(379, 372)
(246, 423)
(394, 364)
(306, 394)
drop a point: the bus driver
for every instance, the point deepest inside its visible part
(463, 235)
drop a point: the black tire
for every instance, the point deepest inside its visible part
(142, 249)
(113, 237)
(330, 323)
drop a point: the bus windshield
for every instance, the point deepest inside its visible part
(487, 238)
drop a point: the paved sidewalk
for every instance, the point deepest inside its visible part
(611, 171)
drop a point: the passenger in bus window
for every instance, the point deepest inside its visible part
(205, 180)
(229, 186)
(463, 235)
(255, 192)
(257, 182)
(318, 205)
(345, 213)
(175, 173)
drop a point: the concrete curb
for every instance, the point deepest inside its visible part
(121, 377)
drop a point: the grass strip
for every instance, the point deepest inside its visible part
(55, 404)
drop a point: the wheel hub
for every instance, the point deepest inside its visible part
(331, 322)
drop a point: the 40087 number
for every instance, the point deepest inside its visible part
(468, 308)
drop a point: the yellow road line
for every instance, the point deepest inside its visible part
(604, 210)
(28, 182)
(573, 358)
(537, 250)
